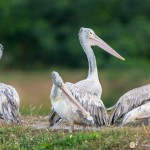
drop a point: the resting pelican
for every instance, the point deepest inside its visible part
(9, 102)
(133, 103)
(82, 90)
(69, 108)
(141, 113)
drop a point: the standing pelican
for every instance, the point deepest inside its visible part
(9, 102)
(84, 90)
(131, 100)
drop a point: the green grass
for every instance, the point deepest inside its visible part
(34, 139)
(34, 110)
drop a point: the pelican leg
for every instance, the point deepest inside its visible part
(72, 127)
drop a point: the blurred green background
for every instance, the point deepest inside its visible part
(41, 36)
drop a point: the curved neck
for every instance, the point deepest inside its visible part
(54, 92)
(91, 61)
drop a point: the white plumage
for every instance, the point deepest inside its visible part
(137, 114)
(9, 102)
(68, 111)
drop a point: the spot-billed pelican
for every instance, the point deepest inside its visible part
(89, 86)
(69, 108)
(9, 101)
(131, 104)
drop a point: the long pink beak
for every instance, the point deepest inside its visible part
(100, 43)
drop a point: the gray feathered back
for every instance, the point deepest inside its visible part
(130, 100)
(9, 104)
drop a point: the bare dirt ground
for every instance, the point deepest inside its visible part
(42, 123)
(37, 122)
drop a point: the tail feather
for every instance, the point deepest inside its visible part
(105, 117)
(10, 114)
(86, 119)
(116, 114)
(54, 118)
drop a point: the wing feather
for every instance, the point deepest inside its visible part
(129, 101)
(53, 118)
(132, 115)
(90, 103)
(9, 104)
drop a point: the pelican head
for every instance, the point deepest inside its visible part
(88, 36)
(1, 50)
(57, 80)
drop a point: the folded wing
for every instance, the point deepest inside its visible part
(129, 101)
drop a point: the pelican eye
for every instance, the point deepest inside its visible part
(91, 33)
